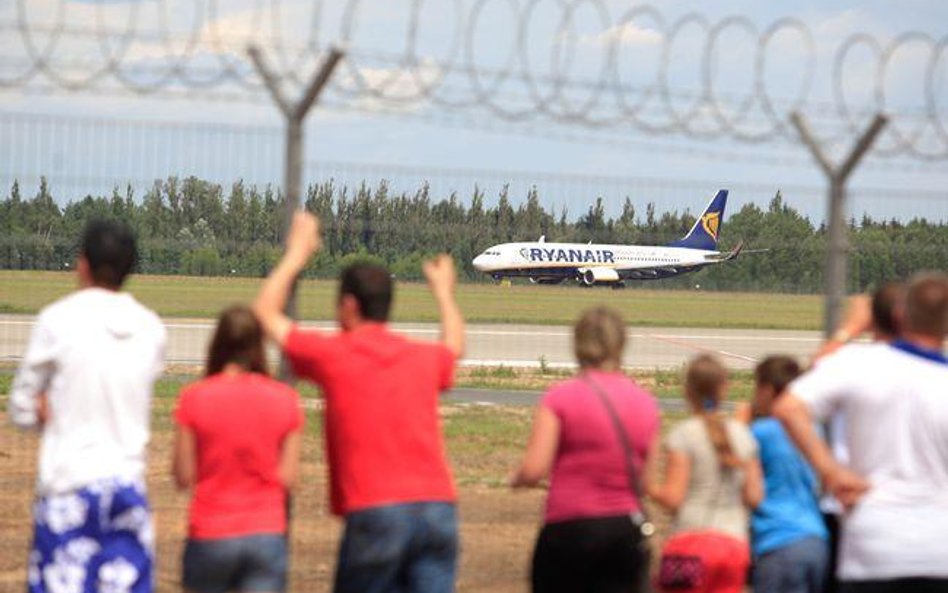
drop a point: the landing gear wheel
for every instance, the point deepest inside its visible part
(618, 285)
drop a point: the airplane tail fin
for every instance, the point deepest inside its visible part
(704, 234)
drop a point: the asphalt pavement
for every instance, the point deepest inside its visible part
(508, 345)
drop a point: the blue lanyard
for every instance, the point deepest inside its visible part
(914, 350)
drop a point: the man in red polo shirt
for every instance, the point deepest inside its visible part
(388, 471)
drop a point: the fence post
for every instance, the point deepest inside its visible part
(837, 246)
(295, 116)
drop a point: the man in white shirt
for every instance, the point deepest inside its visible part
(874, 315)
(86, 379)
(895, 400)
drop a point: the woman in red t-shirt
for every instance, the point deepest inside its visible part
(238, 445)
(592, 435)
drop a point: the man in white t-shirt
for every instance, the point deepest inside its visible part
(86, 379)
(895, 401)
(874, 315)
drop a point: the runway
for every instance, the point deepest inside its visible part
(508, 345)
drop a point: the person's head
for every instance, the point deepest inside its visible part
(107, 254)
(705, 389)
(237, 340)
(884, 302)
(599, 338)
(365, 294)
(705, 383)
(926, 307)
(771, 378)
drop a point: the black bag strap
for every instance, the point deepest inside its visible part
(634, 478)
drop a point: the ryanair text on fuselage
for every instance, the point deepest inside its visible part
(595, 256)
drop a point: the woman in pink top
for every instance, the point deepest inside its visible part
(592, 538)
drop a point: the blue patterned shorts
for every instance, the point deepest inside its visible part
(98, 539)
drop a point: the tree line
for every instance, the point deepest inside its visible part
(193, 227)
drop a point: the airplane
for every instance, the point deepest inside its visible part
(588, 264)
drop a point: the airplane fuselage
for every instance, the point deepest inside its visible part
(590, 263)
(551, 263)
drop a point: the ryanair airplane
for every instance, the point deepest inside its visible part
(553, 263)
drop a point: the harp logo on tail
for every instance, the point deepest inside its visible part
(710, 223)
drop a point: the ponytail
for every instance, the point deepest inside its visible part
(717, 430)
(705, 380)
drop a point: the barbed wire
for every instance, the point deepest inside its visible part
(584, 81)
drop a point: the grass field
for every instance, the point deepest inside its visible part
(177, 296)
(663, 384)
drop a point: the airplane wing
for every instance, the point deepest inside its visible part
(656, 272)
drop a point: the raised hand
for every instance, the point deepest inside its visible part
(303, 239)
(441, 275)
(441, 280)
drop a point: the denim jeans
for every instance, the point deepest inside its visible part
(242, 563)
(399, 548)
(799, 567)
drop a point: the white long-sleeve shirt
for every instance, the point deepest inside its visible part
(95, 354)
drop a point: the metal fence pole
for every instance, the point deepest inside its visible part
(837, 241)
(295, 115)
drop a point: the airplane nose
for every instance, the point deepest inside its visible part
(479, 263)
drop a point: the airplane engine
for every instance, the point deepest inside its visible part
(591, 276)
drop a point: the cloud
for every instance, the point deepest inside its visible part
(627, 35)
(388, 84)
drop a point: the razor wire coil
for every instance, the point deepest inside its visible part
(204, 57)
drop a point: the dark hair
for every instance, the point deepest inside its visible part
(109, 247)
(705, 379)
(371, 286)
(884, 302)
(926, 304)
(238, 339)
(777, 372)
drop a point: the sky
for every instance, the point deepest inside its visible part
(552, 102)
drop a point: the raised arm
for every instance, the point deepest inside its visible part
(844, 484)
(857, 321)
(301, 243)
(441, 281)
